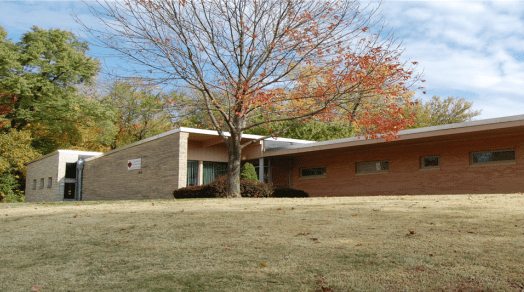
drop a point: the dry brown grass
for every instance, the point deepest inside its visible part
(421, 243)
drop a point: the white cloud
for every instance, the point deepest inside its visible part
(476, 48)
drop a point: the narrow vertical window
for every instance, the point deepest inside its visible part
(49, 182)
(42, 183)
(70, 170)
(34, 184)
(192, 173)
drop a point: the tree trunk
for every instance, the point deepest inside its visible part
(235, 154)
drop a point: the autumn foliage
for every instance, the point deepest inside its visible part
(255, 63)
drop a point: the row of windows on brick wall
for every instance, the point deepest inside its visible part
(49, 183)
(426, 162)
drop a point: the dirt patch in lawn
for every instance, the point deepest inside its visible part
(417, 243)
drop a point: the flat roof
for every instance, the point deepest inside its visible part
(301, 146)
(210, 133)
(56, 152)
(426, 132)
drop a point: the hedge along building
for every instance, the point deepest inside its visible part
(485, 156)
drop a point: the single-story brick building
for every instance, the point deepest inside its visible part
(485, 156)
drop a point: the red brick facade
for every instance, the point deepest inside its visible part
(455, 176)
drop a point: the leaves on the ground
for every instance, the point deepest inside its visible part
(420, 268)
(36, 288)
(411, 232)
(262, 265)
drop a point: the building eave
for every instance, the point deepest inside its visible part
(420, 133)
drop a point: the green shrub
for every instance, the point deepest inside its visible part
(249, 172)
(289, 193)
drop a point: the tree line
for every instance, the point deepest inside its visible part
(51, 97)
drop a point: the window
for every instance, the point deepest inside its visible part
(372, 167)
(430, 162)
(313, 171)
(489, 157)
(34, 184)
(70, 170)
(49, 182)
(192, 173)
(42, 183)
(213, 170)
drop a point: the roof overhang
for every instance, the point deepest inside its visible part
(429, 134)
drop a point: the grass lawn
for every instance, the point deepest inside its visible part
(416, 243)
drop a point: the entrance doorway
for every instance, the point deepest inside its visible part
(70, 182)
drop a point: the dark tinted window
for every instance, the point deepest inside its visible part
(372, 166)
(493, 156)
(192, 173)
(430, 161)
(70, 170)
(312, 171)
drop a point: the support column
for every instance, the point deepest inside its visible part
(181, 159)
(261, 169)
(200, 172)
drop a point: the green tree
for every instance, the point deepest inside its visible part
(38, 85)
(138, 111)
(40, 109)
(442, 111)
(15, 151)
(249, 172)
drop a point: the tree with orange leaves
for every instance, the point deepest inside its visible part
(259, 62)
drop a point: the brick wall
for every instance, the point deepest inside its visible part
(42, 169)
(281, 168)
(455, 176)
(164, 169)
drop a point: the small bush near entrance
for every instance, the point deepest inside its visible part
(289, 193)
(249, 172)
(217, 189)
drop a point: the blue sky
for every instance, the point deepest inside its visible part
(470, 49)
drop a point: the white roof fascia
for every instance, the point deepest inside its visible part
(405, 134)
(244, 136)
(79, 152)
(56, 152)
(194, 131)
